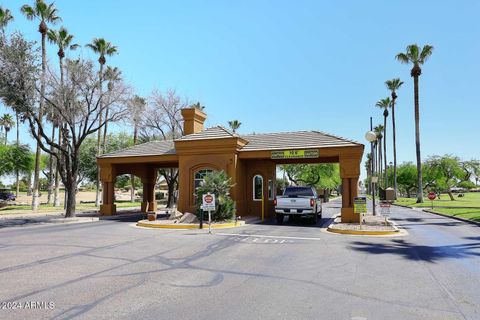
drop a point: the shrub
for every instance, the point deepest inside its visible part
(218, 183)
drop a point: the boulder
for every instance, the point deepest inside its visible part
(188, 218)
(175, 215)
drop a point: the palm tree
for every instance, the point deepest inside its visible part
(393, 85)
(379, 132)
(7, 123)
(63, 40)
(384, 104)
(45, 13)
(5, 18)
(234, 125)
(137, 106)
(102, 48)
(416, 57)
(112, 75)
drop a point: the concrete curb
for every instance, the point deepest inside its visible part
(440, 214)
(152, 224)
(396, 231)
(452, 217)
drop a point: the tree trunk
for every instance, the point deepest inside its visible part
(99, 137)
(171, 191)
(104, 139)
(17, 176)
(38, 152)
(132, 177)
(385, 150)
(51, 169)
(71, 198)
(395, 187)
(450, 194)
(56, 193)
(417, 142)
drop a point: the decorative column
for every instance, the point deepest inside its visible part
(107, 176)
(149, 203)
(350, 173)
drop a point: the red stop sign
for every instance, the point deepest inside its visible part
(208, 198)
(432, 196)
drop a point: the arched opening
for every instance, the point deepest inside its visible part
(257, 188)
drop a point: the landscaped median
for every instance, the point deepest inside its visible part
(373, 226)
(466, 208)
(171, 224)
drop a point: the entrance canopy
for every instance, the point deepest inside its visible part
(241, 156)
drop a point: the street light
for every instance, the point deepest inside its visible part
(371, 137)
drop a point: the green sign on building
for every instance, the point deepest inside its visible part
(295, 154)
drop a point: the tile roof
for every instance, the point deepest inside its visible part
(256, 142)
(294, 140)
(217, 132)
(152, 148)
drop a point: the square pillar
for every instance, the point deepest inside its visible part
(107, 177)
(350, 173)
(149, 203)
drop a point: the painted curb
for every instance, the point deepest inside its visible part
(364, 232)
(147, 224)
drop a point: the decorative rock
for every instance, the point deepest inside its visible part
(188, 218)
(175, 215)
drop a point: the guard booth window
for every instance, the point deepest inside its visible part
(257, 187)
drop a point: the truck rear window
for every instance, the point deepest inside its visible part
(298, 192)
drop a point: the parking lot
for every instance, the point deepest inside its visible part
(109, 268)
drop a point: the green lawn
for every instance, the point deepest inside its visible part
(24, 209)
(467, 207)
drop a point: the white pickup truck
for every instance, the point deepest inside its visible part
(298, 201)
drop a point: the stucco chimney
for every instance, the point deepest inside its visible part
(193, 119)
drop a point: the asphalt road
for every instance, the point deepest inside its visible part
(110, 269)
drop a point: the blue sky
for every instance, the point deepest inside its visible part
(296, 65)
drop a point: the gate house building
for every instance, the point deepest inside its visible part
(250, 161)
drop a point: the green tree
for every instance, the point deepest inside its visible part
(5, 18)
(384, 104)
(45, 13)
(447, 171)
(15, 159)
(407, 177)
(322, 175)
(218, 183)
(7, 122)
(393, 85)
(103, 48)
(417, 57)
(234, 125)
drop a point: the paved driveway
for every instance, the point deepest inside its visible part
(109, 269)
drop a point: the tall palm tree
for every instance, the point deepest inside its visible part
(5, 18)
(137, 106)
(379, 132)
(45, 13)
(7, 123)
(103, 48)
(393, 85)
(234, 125)
(112, 75)
(63, 40)
(416, 57)
(384, 104)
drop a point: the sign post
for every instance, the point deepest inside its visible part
(360, 207)
(432, 196)
(208, 204)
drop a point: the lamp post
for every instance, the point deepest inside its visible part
(371, 137)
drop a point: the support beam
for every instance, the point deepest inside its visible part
(350, 173)
(107, 177)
